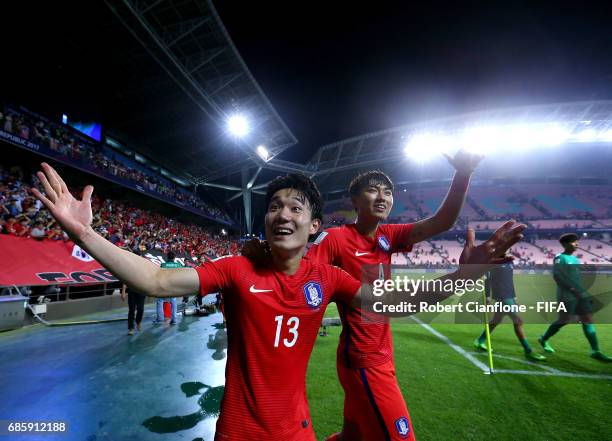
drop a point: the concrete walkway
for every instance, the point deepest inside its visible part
(164, 383)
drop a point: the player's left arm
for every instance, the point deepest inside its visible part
(447, 214)
(475, 261)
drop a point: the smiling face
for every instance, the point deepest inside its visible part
(374, 201)
(289, 221)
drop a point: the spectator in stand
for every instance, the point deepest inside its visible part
(74, 147)
(8, 123)
(23, 229)
(14, 208)
(56, 233)
(10, 226)
(38, 232)
(128, 226)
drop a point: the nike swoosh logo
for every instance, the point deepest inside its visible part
(358, 254)
(255, 290)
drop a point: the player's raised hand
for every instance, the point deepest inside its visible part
(74, 216)
(476, 260)
(464, 162)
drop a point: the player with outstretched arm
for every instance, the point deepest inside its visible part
(273, 312)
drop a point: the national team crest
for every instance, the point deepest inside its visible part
(80, 254)
(384, 243)
(402, 427)
(313, 294)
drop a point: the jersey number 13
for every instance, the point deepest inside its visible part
(292, 324)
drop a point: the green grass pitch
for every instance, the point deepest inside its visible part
(449, 398)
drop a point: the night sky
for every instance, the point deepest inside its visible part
(336, 73)
(331, 72)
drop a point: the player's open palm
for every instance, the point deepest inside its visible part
(476, 260)
(464, 162)
(73, 215)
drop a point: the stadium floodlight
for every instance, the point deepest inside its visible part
(605, 136)
(481, 140)
(586, 135)
(484, 139)
(223, 232)
(263, 152)
(238, 126)
(553, 135)
(423, 147)
(518, 136)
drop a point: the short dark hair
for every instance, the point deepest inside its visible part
(567, 238)
(302, 184)
(365, 179)
(170, 255)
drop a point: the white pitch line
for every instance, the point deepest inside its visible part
(549, 371)
(480, 365)
(555, 374)
(540, 365)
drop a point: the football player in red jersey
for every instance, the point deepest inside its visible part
(374, 408)
(273, 312)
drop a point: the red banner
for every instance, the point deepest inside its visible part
(26, 262)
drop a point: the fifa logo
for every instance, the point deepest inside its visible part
(313, 294)
(402, 426)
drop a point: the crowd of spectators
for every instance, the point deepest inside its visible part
(128, 227)
(76, 149)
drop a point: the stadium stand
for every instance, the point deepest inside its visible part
(606, 222)
(404, 210)
(424, 254)
(73, 148)
(400, 259)
(429, 199)
(596, 251)
(585, 254)
(484, 224)
(573, 201)
(503, 201)
(528, 255)
(339, 212)
(556, 224)
(124, 225)
(546, 209)
(449, 249)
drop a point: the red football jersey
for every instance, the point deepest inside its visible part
(363, 342)
(272, 324)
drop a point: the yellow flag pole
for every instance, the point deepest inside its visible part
(488, 333)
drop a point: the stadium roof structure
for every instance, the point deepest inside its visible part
(189, 41)
(165, 76)
(398, 150)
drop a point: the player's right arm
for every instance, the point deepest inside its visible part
(75, 218)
